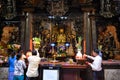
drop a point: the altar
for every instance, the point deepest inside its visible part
(67, 71)
(74, 71)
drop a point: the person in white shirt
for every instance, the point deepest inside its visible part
(96, 65)
(32, 71)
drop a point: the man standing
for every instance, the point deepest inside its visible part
(32, 71)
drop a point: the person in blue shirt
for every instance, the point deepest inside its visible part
(11, 60)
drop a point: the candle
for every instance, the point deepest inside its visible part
(84, 46)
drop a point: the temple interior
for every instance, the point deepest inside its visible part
(59, 29)
(60, 22)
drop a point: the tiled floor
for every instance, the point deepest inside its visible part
(3, 73)
(112, 74)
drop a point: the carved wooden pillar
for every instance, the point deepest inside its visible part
(93, 30)
(23, 26)
(28, 32)
(87, 32)
(87, 38)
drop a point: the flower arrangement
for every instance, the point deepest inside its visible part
(36, 42)
(61, 51)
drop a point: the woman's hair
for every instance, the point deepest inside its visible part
(28, 51)
(13, 54)
(96, 51)
(19, 55)
(34, 52)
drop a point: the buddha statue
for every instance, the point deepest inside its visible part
(61, 38)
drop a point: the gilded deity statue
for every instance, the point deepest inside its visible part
(61, 38)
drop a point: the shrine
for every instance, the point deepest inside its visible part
(62, 31)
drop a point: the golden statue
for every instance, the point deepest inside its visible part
(61, 38)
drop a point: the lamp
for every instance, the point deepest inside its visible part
(52, 44)
(67, 44)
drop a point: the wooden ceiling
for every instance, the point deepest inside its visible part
(40, 6)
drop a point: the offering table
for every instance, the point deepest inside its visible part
(68, 71)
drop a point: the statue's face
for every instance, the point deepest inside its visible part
(36, 46)
(61, 30)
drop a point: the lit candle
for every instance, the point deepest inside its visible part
(84, 45)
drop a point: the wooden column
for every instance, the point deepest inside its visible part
(93, 30)
(28, 32)
(23, 26)
(87, 32)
